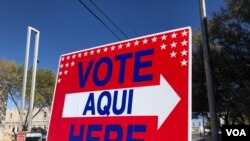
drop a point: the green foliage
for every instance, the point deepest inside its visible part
(199, 97)
(8, 78)
(229, 31)
(8, 73)
(11, 80)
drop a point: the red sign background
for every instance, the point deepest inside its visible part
(171, 58)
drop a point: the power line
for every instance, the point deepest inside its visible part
(108, 19)
(99, 19)
(125, 17)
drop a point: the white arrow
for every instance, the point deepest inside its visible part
(158, 100)
(155, 100)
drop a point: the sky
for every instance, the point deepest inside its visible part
(66, 26)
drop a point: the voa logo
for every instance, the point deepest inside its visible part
(236, 132)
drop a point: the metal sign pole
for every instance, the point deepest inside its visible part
(208, 72)
(30, 29)
(25, 77)
(33, 83)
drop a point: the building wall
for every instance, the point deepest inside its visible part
(11, 121)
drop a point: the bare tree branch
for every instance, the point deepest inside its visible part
(15, 102)
(43, 105)
(25, 125)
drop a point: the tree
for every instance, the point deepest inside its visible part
(6, 78)
(199, 97)
(229, 31)
(11, 78)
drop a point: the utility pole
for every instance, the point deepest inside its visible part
(208, 72)
(30, 29)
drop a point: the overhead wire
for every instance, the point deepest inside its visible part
(98, 19)
(125, 17)
(108, 18)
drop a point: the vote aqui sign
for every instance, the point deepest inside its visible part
(133, 90)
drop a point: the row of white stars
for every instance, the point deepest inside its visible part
(172, 54)
(66, 71)
(67, 64)
(120, 46)
(61, 73)
(183, 53)
(128, 45)
(174, 44)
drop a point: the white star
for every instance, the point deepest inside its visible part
(136, 43)
(91, 52)
(184, 43)
(79, 55)
(145, 41)
(154, 39)
(128, 45)
(85, 53)
(184, 33)
(184, 52)
(105, 49)
(60, 73)
(173, 44)
(173, 54)
(113, 48)
(163, 46)
(61, 65)
(74, 56)
(68, 57)
(98, 51)
(72, 63)
(184, 62)
(120, 46)
(59, 80)
(174, 35)
(63, 59)
(67, 64)
(65, 72)
(163, 37)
